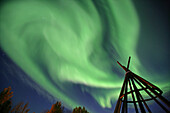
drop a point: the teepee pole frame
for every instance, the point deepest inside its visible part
(131, 79)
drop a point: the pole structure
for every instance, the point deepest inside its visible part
(131, 79)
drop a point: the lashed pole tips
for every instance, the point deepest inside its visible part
(128, 63)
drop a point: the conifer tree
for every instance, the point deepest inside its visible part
(5, 100)
(56, 108)
(80, 110)
(20, 108)
(5, 95)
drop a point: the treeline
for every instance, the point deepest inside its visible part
(6, 105)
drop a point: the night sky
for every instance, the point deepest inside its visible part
(66, 50)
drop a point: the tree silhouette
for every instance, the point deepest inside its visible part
(5, 100)
(56, 108)
(5, 95)
(20, 108)
(80, 110)
(5, 105)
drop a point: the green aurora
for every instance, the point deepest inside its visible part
(65, 42)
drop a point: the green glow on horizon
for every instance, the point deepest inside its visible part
(63, 41)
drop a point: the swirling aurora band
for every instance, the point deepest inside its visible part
(65, 42)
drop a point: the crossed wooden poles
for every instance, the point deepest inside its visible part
(139, 102)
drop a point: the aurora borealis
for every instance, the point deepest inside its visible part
(69, 48)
